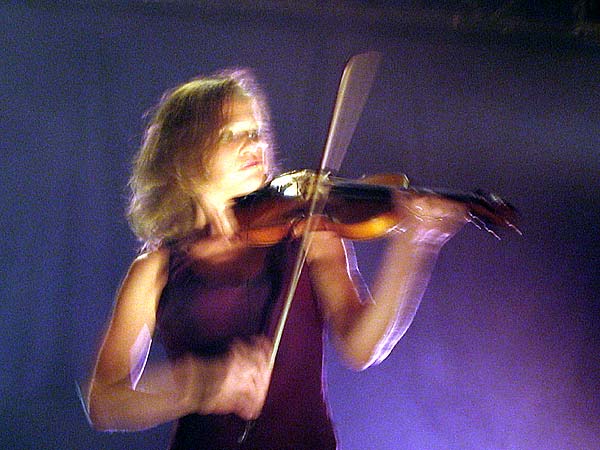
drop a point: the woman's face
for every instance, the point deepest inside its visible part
(239, 164)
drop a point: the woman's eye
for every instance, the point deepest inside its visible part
(228, 136)
(253, 135)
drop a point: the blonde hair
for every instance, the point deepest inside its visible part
(179, 141)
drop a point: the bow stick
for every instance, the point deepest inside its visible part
(352, 95)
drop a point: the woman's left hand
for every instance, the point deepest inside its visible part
(430, 219)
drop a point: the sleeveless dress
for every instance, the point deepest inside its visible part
(195, 315)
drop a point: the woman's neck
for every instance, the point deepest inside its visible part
(214, 211)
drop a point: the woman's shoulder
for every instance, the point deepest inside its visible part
(153, 261)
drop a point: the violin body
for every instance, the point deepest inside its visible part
(355, 209)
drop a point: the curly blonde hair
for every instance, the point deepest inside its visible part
(179, 141)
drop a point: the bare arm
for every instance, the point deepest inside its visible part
(121, 398)
(365, 329)
(115, 400)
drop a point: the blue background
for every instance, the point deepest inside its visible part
(503, 353)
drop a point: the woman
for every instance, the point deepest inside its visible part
(214, 300)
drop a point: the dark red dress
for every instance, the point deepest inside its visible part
(195, 315)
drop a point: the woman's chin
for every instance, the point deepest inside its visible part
(256, 177)
(251, 185)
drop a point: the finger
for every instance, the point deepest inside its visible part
(255, 352)
(265, 347)
(243, 352)
(251, 401)
(250, 365)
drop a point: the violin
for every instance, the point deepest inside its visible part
(361, 209)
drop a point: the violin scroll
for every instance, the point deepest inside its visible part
(486, 210)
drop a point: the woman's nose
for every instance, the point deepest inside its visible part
(252, 146)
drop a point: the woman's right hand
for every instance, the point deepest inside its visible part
(236, 383)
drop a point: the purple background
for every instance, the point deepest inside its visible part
(504, 352)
